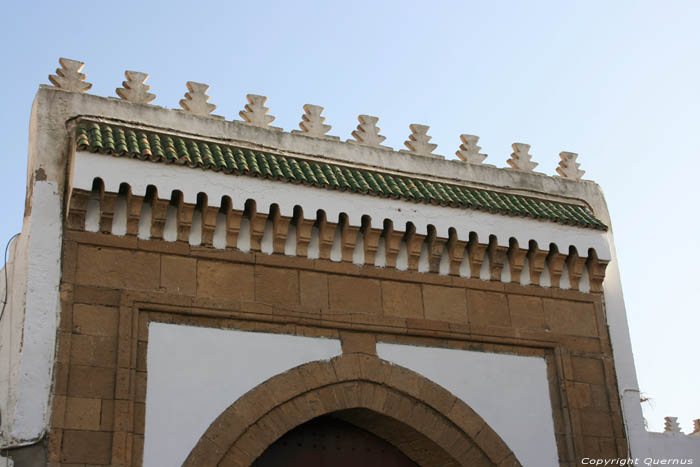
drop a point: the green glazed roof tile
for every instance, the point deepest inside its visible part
(119, 141)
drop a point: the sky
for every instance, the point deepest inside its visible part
(616, 82)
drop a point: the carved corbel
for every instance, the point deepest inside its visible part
(326, 235)
(258, 221)
(436, 247)
(575, 265)
(536, 259)
(107, 203)
(209, 216)
(476, 252)
(596, 271)
(78, 208)
(555, 263)
(414, 247)
(280, 230)
(233, 226)
(516, 260)
(370, 241)
(134, 205)
(348, 239)
(455, 251)
(497, 258)
(392, 244)
(304, 228)
(159, 213)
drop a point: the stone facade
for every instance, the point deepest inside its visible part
(112, 287)
(159, 217)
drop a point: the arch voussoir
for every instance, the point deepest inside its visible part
(351, 382)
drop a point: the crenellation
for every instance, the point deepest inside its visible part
(568, 167)
(135, 88)
(255, 112)
(69, 76)
(521, 159)
(671, 425)
(469, 150)
(418, 141)
(367, 132)
(313, 124)
(196, 100)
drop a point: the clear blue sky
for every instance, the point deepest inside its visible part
(617, 82)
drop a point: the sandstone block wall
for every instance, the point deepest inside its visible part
(113, 286)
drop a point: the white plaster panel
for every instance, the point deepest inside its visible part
(140, 174)
(195, 373)
(510, 392)
(30, 392)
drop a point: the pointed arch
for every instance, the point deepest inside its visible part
(370, 392)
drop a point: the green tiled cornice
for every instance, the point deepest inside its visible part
(160, 147)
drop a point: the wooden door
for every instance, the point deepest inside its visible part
(329, 442)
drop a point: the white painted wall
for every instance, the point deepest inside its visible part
(195, 373)
(510, 392)
(31, 320)
(674, 446)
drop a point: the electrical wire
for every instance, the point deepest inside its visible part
(4, 300)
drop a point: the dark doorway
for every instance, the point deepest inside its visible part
(329, 442)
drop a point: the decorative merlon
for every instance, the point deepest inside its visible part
(69, 76)
(312, 123)
(568, 167)
(469, 151)
(418, 141)
(521, 158)
(367, 132)
(196, 101)
(255, 112)
(135, 88)
(671, 425)
(696, 427)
